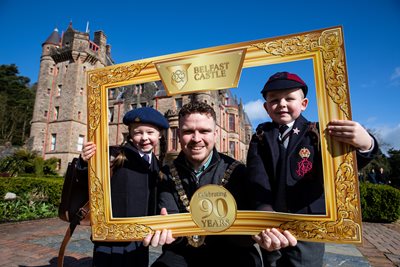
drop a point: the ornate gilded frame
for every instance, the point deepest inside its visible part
(342, 221)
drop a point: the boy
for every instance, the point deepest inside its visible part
(285, 163)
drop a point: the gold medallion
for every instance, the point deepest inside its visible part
(213, 208)
(196, 240)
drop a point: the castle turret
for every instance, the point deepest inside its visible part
(41, 113)
(59, 119)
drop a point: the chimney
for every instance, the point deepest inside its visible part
(108, 50)
(100, 39)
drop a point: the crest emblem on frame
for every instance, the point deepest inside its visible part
(179, 75)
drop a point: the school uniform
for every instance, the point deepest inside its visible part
(292, 182)
(133, 194)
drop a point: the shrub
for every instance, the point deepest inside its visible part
(37, 198)
(379, 203)
(26, 162)
(26, 207)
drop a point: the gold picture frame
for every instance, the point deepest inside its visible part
(342, 221)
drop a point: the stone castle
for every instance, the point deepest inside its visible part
(59, 120)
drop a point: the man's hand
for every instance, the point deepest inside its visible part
(159, 238)
(272, 239)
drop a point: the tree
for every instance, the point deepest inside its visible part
(381, 160)
(27, 162)
(16, 105)
(394, 161)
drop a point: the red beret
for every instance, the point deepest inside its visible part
(282, 81)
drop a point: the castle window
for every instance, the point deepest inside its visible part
(59, 88)
(174, 138)
(53, 142)
(111, 94)
(110, 114)
(80, 142)
(56, 112)
(79, 115)
(231, 122)
(232, 148)
(48, 91)
(50, 70)
(45, 113)
(81, 91)
(93, 46)
(178, 103)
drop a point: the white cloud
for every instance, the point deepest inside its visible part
(390, 136)
(369, 84)
(396, 74)
(371, 119)
(395, 77)
(255, 110)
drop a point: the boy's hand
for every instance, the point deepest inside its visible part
(88, 150)
(350, 132)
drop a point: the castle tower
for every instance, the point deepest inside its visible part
(60, 113)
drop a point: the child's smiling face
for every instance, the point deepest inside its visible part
(144, 136)
(285, 106)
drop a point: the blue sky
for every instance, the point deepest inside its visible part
(142, 29)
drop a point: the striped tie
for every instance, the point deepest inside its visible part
(282, 130)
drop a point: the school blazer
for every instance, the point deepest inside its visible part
(133, 186)
(302, 176)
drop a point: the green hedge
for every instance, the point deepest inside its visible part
(379, 203)
(36, 198)
(50, 187)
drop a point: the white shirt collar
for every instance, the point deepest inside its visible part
(290, 125)
(141, 154)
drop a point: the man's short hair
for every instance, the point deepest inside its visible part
(197, 107)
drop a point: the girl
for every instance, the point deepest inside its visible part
(134, 175)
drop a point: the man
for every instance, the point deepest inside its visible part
(199, 164)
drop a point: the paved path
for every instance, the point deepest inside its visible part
(36, 243)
